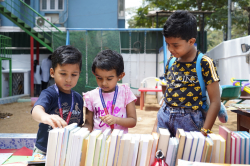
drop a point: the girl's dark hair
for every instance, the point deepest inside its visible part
(181, 24)
(66, 55)
(108, 60)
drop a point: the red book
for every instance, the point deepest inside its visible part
(23, 152)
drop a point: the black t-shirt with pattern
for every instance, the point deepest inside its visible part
(183, 88)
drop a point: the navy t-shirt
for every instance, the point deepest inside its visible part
(49, 100)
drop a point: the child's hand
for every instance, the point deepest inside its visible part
(54, 121)
(109, 119)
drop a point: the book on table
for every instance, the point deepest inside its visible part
(106, 134)
(181, 136)
(112, 148)
(233, 149)
(154, 147)
(226, 134)
(118, 146)
(98, 150)
(238, 148)
(200, 146)
(216, 149)
(91, 147)
(222, 149)
(247, 146)
(131, 150)
(85, 145)
(194, 145)
(107, 145)
(67, 130)
(188, 146)
(164, 136)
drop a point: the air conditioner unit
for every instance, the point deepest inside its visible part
(40, 22)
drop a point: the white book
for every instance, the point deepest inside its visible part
(131, 150)
(222, 149)
(154, 147)
(51, 147)
(171, 146)
(126, 149)
(200, 146)
(232, 149)
(164, 136)
(137, 138)
(98, 150)
(194, 145)
(118, 143)
(91, 148)
(150, 144)
(107, 144)
(144, 152)
(83, 135)
(112, 147)
(106, 134)
(67, 130)
(216, 148)
(188, 146)
(76, 143)
(59, 145)
(69, 148)
(176, 147)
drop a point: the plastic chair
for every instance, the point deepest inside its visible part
(150, 82)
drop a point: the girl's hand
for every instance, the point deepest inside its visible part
(108, 119)
(53, 120)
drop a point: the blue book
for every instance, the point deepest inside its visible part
(243, 147)
(247, 154)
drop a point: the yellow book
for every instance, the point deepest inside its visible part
(84, 151)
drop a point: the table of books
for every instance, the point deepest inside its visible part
(77, 146)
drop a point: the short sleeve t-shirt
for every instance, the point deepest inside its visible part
(93, 103)
(48, 99)
(183, 88)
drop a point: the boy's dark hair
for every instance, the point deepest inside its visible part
(66, 55)
(108, 60)
(181, 24)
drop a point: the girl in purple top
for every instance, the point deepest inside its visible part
(119, 101)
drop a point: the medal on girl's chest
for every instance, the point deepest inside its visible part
(60, 106)
(113, 103)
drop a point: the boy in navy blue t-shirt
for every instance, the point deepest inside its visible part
(58, 105)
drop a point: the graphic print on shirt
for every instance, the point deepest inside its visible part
(183, 88)
(76, 113)
(100, 112)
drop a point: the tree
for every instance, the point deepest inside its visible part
(218, 20)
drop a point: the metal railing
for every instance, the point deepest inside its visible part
(28, 15)
(5, 54)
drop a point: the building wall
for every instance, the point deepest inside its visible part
(81, 14)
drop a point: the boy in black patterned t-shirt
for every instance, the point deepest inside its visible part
(183, 96)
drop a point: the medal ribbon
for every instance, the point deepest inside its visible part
(113, 103)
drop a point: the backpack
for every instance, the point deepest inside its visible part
(222, 115)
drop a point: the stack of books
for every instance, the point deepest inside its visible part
(75, 146)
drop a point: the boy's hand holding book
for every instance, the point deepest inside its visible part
(109, 119)
(53, 120)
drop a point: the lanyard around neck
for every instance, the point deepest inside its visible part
(60, 106)
(113, 103)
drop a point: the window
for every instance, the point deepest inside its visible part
(44, 4)
(27, 2)
(60, 4)
(121, 9)
(51, 5)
